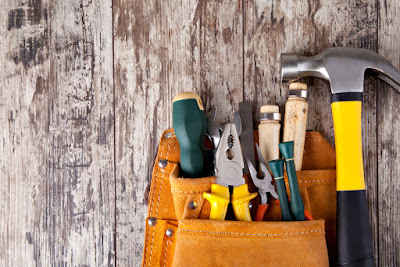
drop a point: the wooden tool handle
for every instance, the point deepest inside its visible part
(269, 133)
(295, 123)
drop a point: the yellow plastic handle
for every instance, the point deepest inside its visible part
(240, 202)
(349, 161)
(219, 199)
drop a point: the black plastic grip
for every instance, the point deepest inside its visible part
(350, 96)
(354, 245)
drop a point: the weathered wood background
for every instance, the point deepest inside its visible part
(86, 91)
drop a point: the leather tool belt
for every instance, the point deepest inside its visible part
(179, 233)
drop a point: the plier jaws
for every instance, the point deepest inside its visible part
(229, 160)
(264, 184)
(229, 170)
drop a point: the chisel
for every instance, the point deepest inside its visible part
(295, 120)
(269, 132)
(190, 126)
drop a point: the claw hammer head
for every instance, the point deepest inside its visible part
(343, 67)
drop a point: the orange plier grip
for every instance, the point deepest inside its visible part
(262, 208)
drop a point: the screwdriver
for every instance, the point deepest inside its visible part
(190, 126)
(296, 203)
(277, 170)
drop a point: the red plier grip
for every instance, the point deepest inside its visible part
(262, 208)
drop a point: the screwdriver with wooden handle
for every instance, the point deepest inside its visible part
(295, 120)
(190, 127)
(269, 132)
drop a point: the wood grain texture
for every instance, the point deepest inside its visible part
(86, 90)
(307, 28)
(269, 132)
(57, 174)
(156, 57)
(388, 109)
(221, 56)
(294, 127)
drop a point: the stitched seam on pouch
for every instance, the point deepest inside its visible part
(311, 181)
(159, 196)
(188, 192)
(165, 253)
(244, 234)
(315, 139)
(158, 204)
(152, 237)
(151, 228)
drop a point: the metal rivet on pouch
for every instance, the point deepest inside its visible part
(250, 205)
(192, 205)
(152, 221)
(168, 135)
(162, 163)
(170, 232)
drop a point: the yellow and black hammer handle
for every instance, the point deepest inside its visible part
(354, 234)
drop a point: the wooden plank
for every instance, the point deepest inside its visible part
(141, 99)
(307, 28)
(221, 56)
(57, 162)
(157, 55)
(389, 140)
(23, 81)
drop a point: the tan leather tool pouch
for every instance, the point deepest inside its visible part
(178, 205)
(236, 243)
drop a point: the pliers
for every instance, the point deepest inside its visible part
(264, 184)
(229, 166)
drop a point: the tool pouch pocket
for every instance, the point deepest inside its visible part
(268, 243)
(197, 241)
(238, 243)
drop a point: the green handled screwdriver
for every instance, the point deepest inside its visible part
(190, 126)
(296, 203)
(277, 170)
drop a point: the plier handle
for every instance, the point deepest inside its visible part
(264, 184)
(229, 166)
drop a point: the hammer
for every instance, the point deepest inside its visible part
(344, 68)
